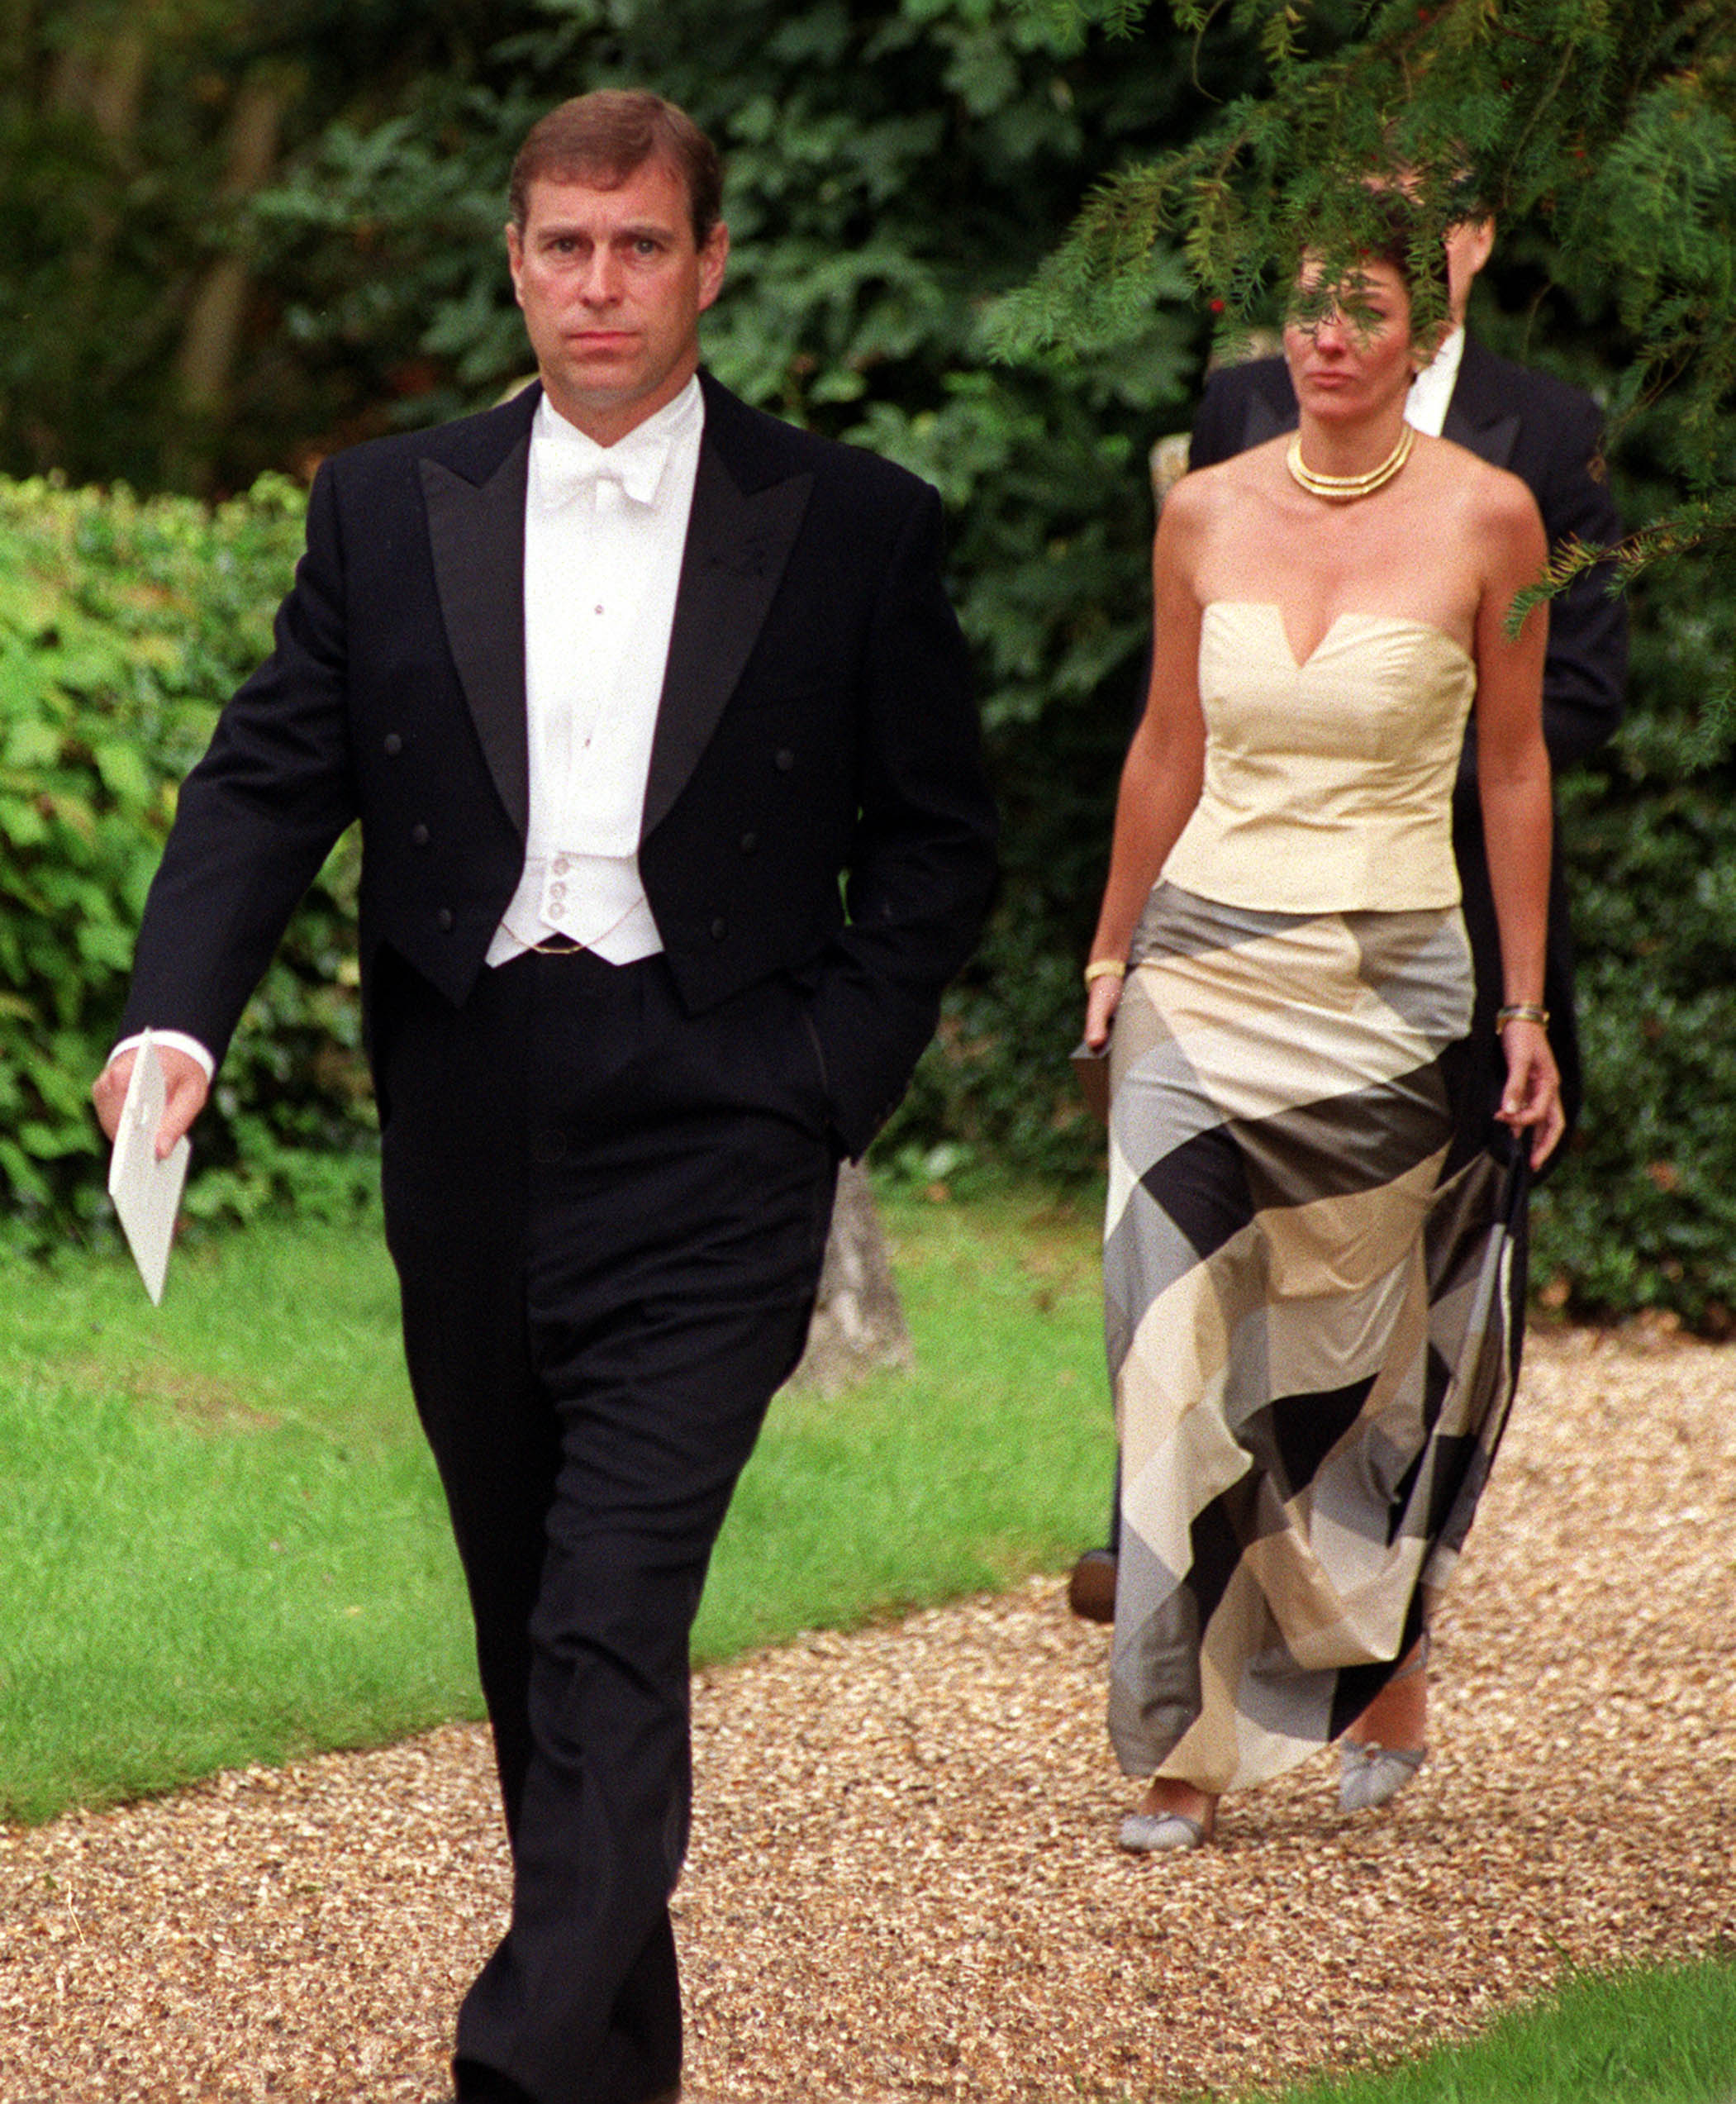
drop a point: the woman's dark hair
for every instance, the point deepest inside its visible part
(1394, 240)
(1387, 230)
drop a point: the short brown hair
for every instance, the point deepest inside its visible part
(607, 136)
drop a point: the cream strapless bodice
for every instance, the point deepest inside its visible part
(1329, 784)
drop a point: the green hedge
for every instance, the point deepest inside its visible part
(123, 624)
(1642, 1215)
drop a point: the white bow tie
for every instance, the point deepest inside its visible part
(569, 464)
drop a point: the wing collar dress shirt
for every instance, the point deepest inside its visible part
(1431, 391)
(604, 529)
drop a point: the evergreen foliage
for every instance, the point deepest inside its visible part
(141, 340)
(1609, 124)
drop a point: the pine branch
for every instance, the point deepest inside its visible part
(1612, 122)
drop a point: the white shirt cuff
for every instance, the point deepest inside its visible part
(177, 1040)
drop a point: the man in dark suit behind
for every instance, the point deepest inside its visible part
(657, 722)
(1550, 435)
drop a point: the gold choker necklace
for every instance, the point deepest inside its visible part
(1345, 489)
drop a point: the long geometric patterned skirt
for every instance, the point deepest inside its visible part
(1313, 1332)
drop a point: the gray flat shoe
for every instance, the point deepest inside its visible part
(1370, 1774)
(1144, 1832)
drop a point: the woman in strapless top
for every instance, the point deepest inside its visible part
(1313, 1308)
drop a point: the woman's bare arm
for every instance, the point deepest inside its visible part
(1513, 782)
(1161, 777)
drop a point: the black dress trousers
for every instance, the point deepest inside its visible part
(608, 1219)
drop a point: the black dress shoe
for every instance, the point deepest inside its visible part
(487, 2083)
(477, 2084)
(1090, 1591)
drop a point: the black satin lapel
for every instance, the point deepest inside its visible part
(1493, 441)
(478, 532)
(737, 548)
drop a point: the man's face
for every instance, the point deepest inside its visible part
(613, 286)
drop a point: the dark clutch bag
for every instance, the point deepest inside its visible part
(1092, 1070)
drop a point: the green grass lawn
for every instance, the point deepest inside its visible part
(1663, 2036)
(992, 1459)
(223, 1540)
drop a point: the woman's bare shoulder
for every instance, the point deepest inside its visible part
(1494, 500)
(1238, 472)
(1206, 496)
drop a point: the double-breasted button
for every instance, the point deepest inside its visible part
(394, 744)
(547, 1147)
(419, 836)
(720, 929)
(749, 843)
(783, 759)
(445, 920)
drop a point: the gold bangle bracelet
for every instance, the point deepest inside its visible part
(1521, 1012)
(1105, 968)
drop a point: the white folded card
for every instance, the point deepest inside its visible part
(147, 1192)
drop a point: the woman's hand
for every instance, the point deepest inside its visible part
(1532, 1094)
(1102, 997)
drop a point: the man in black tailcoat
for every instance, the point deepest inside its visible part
(1550, 435)
(657, 722)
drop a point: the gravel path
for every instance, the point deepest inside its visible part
(904, 1883)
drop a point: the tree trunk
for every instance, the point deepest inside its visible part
(213, 331)
(858, 1324)
(104, 78)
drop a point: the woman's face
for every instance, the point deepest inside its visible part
(1355, 356)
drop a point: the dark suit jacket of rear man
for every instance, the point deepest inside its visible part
(606, 1190)
(1550, 435)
